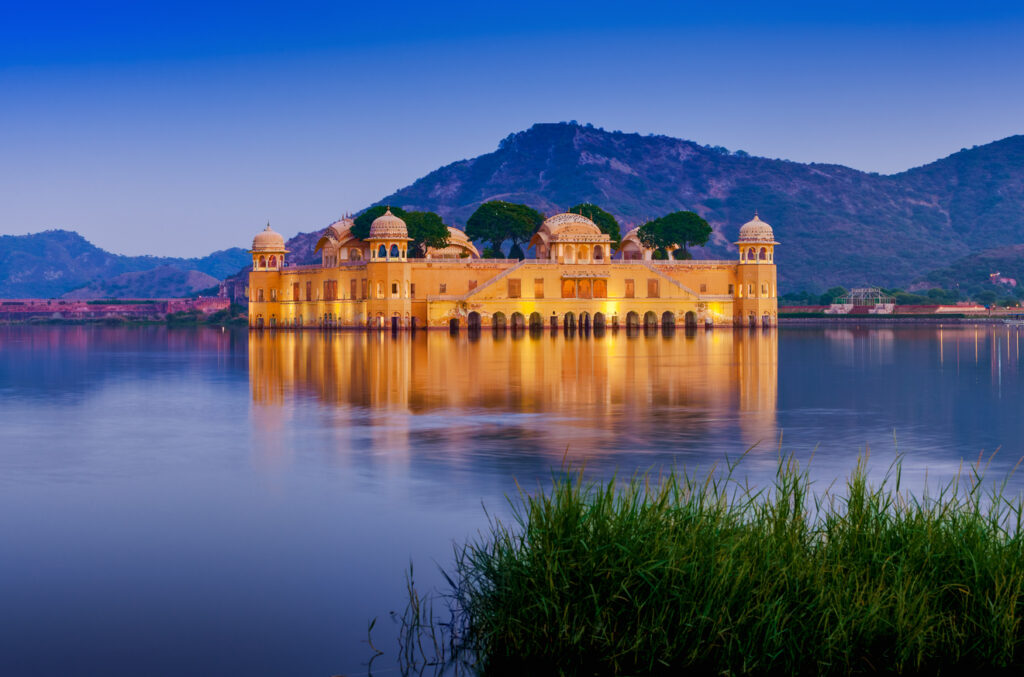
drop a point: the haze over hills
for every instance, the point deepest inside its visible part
(55, 262)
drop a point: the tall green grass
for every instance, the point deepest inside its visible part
(684, 573)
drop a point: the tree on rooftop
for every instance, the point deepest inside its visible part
(497, 221)
(426, 229)
(605, 221)
(684, 229)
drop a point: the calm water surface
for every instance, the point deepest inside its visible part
(205, 502)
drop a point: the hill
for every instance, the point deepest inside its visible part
(987, 275)
(162, 282)
(837, 225)
(55, 262)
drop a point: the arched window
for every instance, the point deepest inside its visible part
(764, 254)
(382, 252)
(380, 289)
(394, 251)
(598, 253)
(263, 262)
(355, 255)
(751, 255)
(273, 261)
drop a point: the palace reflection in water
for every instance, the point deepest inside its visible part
(278, 484)
(606, 391)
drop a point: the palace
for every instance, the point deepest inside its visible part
(576, 280)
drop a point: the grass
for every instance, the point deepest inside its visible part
(674, 573)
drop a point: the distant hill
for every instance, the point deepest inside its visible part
(55, 262)
(837, 225)
(162, 282)
(999, 269)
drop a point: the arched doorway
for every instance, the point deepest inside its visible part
(259, 322)
(584, 321)
(690, 319)
(536, 322)
(518, 321)
(766, 320)
(412, 323)
(498, 321)
(569, 321)
(473, 320)
(453, 325)
(650, 319)
(632, 320)
(554, 323)
(752, 321)
(668, 319)
(599, 321)
(396, 322)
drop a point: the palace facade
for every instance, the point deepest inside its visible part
(577, 280)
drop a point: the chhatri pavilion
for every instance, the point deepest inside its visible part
(578, 279)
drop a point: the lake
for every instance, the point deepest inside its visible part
(199, 501)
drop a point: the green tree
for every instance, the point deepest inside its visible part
(685, 229)
(830, 296)
(986, 298)
(426, 229)
(497, 221)
(605, 221)
(361, 224)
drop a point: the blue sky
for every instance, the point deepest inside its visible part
(180, 129)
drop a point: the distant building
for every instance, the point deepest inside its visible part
(998, 278)
(576, 280)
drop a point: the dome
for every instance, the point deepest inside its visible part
(570, 224)
(456, 235)
(268, 240)
(458, 245)
(387, 226)
(340, 228)
(757, 230)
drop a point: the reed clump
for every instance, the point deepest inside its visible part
(703, 574)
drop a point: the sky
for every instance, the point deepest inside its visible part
(179, 129)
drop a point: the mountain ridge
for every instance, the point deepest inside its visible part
(836, 224)
(52, 263)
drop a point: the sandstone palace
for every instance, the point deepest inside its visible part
(577, 280)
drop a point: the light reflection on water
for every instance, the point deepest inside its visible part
(198, 501)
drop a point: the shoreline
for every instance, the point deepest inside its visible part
(887, 319)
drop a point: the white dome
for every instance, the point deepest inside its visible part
(387, 226)
(268, 241)
(757, 230)
(569, 223)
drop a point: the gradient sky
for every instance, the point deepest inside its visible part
(181, 129)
